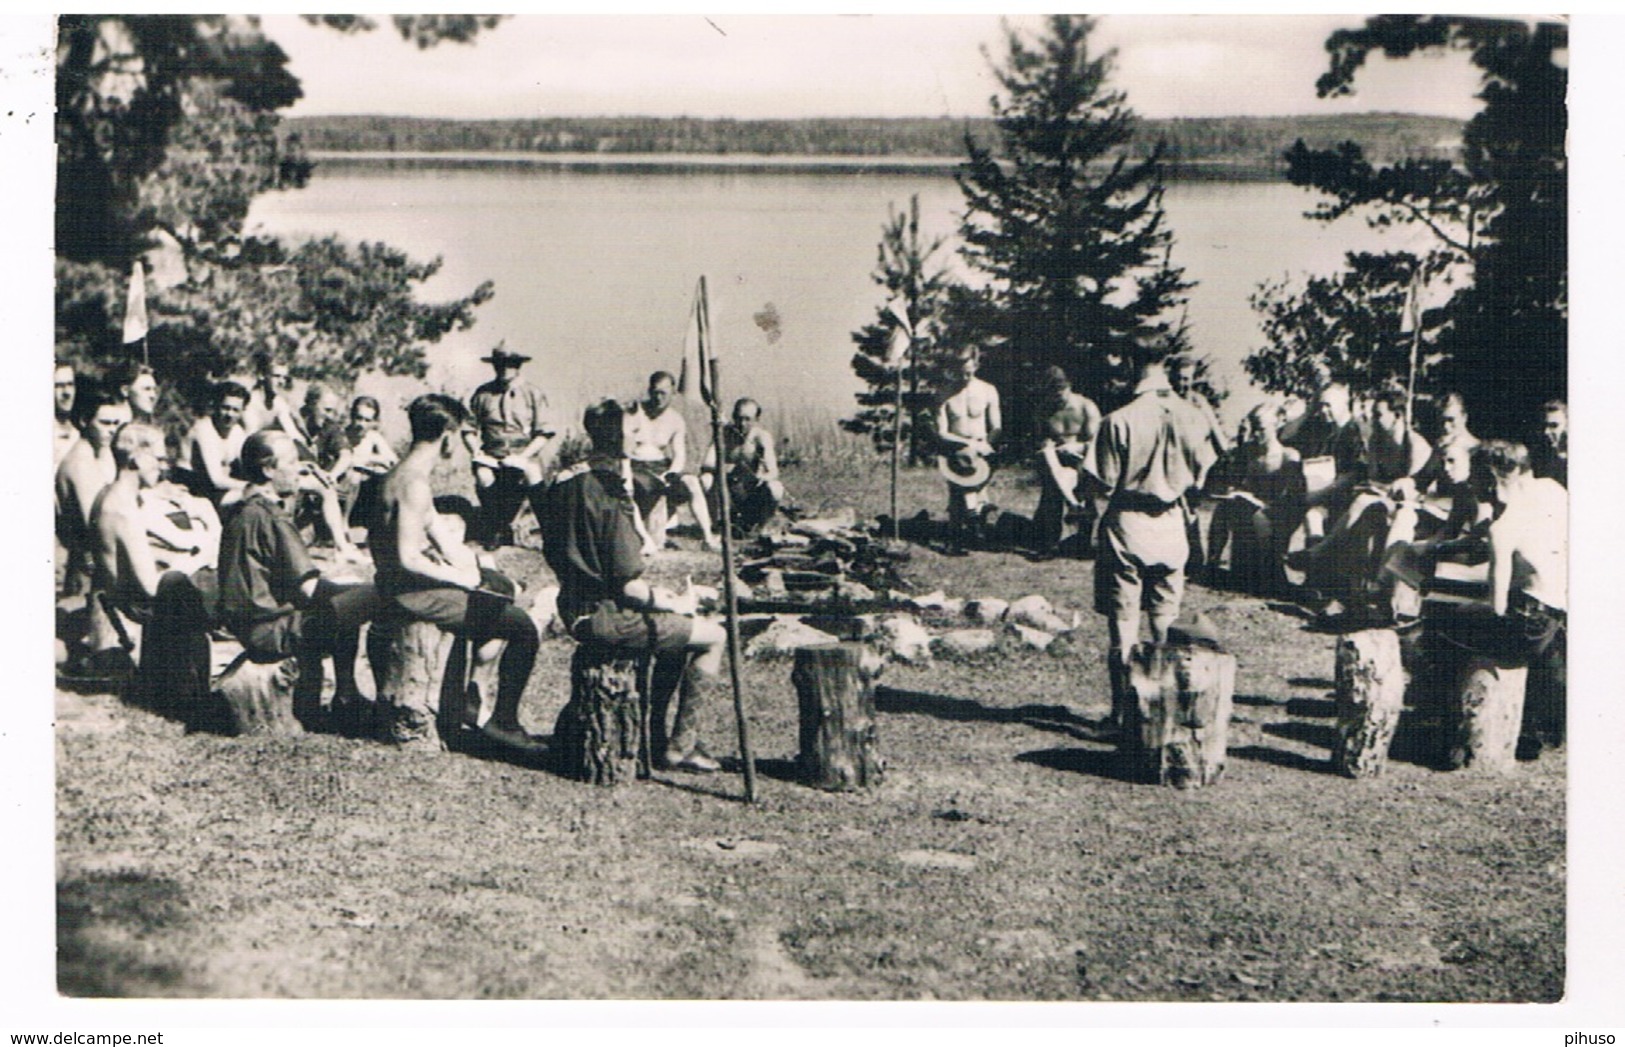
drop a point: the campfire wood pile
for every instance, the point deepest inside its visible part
(829, 560)
(830, 580)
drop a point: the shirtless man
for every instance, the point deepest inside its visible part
(136, 541)
(423, 572)
(213, 446)
(64, 434)
(271, 403)
(1068, 430)
(1260, 502)
(658, 449)
(366, 453)
(84, 471)
(1338, 438)
(366, 456)
(1529, 582)
(968, 425)
(754, 487)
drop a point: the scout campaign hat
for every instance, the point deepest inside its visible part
(964, 469)
(503, 355)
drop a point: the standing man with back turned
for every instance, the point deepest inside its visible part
(1150, 454)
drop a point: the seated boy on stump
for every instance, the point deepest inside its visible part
(272, 597)
(592, 546)
(425, 572)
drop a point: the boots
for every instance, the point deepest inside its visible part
(1125, 715)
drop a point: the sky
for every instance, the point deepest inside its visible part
(766, 66)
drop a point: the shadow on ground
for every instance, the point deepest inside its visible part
(1056, 718)
(102, 921)
(1096, 763)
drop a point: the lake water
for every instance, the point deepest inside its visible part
(595, 269)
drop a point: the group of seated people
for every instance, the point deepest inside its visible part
(216, 539)
(1372, 499)
(1383, 511)
(513, 461)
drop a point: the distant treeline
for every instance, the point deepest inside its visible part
(1249, 143)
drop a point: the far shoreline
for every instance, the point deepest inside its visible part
(751, 163)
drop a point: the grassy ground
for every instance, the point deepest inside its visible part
(1003, 857)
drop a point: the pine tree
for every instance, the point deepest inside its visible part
(916, 283)
(167, 129)
(1064, 223)
(1501, 212)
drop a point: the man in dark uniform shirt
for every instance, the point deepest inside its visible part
(273, 598)
(593, 548)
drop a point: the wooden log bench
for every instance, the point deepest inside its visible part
(602, 733)
(427, 692)
(839, 743)
(1486, 714)
(1179, 714)
(257, 698)
(1370, 680)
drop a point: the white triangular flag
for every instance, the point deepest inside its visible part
(135, 306)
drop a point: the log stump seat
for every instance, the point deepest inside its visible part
(1179, 714)
(602, 733)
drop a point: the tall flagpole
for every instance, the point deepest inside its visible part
(896, 443)
(713, 399)
(1414, 308)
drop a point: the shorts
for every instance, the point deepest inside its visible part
(611, 625)
(1141, 562)
(472, 614)
(274, 639)
(652, 481)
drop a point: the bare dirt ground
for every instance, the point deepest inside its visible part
(1004, 857)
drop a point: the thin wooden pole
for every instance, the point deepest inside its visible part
(1416, 345)
(897, 442)
(713, 398)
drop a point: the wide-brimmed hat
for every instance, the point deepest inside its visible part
(964, 469)
(503, 355)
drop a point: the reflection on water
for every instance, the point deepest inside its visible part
(595, 270)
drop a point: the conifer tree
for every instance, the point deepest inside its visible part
(1500, 212)
(1064, 223)
(916, 282)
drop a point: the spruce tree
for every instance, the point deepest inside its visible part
(1064, 223)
